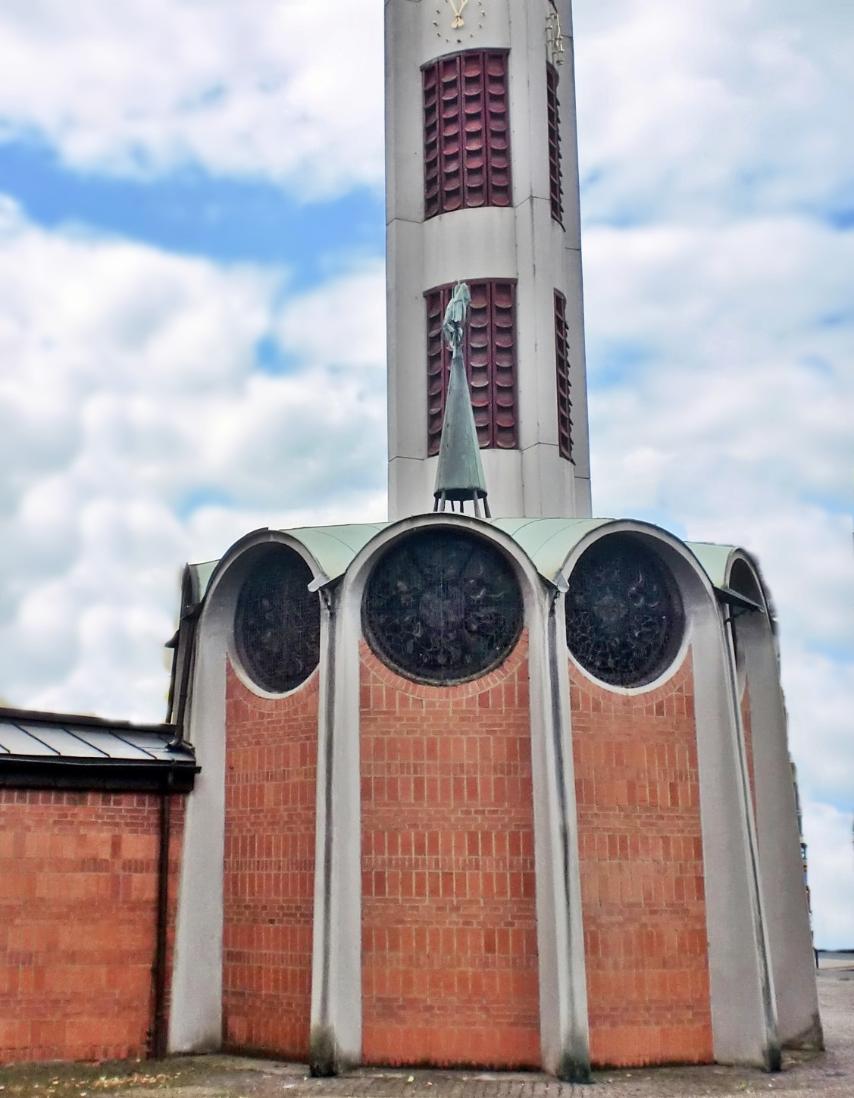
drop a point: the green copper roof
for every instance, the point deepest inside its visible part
(714, 559)
(334, 547)
(547, 541)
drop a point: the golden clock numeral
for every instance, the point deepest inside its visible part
(458, 8)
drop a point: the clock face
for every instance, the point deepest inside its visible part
(459, 20)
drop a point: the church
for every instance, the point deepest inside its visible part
(495, 783)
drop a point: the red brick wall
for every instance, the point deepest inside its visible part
(78, 910)
(449, 939)
(642, 884)
(270, 791)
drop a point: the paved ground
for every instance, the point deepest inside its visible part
(830, 1074)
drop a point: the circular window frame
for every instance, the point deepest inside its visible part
(243, 663)
(380, 650)
(672, 656)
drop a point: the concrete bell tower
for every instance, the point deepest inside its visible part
(482, 187)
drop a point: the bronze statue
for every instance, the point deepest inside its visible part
(456, 315)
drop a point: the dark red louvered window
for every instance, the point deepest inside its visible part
(490, 363)
(564, 392)
(555, 154)
(466, 132)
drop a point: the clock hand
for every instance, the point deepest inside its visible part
(457, 9)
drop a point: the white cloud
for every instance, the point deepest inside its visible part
(358, 335)
(831, 874)
(733, 416)
(129, 409)
(288, 90)
(818, 695)
(708, 110)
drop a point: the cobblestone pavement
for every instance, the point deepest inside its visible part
(805, 1076)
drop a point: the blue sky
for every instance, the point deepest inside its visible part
(194, 212)
(192, 330)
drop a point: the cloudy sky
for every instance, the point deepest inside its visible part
(192, 319)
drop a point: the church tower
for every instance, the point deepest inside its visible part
(502, 793)
(482, 187)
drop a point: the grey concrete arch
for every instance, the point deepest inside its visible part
(195, 1019)
(744, 1023)
(778, 834)
(336, 995)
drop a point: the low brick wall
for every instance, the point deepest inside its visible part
(78, 918)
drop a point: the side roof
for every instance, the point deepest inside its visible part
(333, 547)
(715, 559)
(65, 751)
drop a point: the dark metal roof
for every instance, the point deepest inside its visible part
(55, 750)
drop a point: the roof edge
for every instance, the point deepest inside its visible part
(98, 776)
(80, 720)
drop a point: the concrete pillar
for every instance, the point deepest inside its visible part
(336, 980)
(564, 1029)
(778, 838)
(520, 240)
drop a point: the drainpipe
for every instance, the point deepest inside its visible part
(158, 1043)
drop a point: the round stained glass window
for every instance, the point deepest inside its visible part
(442, 606)
(277, 622)
(624, 615)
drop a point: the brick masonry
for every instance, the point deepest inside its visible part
(78, 917)
(449, 935)
(270, 792)
(638, 795)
